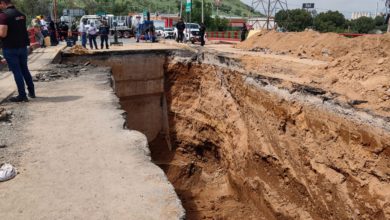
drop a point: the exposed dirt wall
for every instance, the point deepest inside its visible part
(248, 149)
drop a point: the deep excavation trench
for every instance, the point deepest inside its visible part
(245, 147)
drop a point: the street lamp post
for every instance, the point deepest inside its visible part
(181, 9)
(203, 11)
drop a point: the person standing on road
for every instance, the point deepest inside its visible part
(36, 23)
(244, 31)
(92, 33)
(15, 42)
(44, 27)
(53, 33)
(83, 31)
(180, 26)
(202, 32)
(104, 31)
(74, 33)
(388, 22)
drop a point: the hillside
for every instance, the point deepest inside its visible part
(228, 7)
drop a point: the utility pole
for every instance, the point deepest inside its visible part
(387, 4)
(217, 5)
(55, 10)
(181, 8)
(269, 14)
(269, 9)
(203, 11)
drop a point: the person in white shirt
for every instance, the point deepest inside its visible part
(92, 33)
(83, 31)
(44, 28)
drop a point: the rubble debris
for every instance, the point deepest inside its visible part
(60, 71)
(7, 172)
(78, 50)
(357, 102)
(5, 116)
(309, 89)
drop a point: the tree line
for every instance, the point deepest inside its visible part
(330, 21)
(42, 7)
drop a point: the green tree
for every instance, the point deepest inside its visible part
(294, 20)
(220, 24)
(238, 12)
(363, 25)
(196, 14)
(33, 8)
(380, 23)
(330, 21)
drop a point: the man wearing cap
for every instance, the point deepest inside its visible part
(15, 41)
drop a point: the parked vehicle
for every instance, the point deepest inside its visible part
(160, 31)
(168, 33)
(191, 33)
(122, 24)
(95, 19)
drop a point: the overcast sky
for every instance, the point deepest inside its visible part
(344, 6)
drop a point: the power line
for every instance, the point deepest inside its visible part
(269, 8)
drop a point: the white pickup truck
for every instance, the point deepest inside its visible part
(191, 33)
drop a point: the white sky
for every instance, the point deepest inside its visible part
(344, 6)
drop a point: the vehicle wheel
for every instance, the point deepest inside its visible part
(126, 34)
(120, 34)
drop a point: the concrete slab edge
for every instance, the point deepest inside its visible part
(55, 57)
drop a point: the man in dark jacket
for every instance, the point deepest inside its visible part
(244, 31)
(15, 41)
(202, 32)
(74, 32)
(64, 28)
(104, 31)
(53, 33)
(180, 26)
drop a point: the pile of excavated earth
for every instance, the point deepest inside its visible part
(357, 68)
(285, 126)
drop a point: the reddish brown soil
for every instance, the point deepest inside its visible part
(356, 68)
(243, 152)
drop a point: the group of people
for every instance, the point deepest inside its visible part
(62, 32)
(44, 28)
(91, 32)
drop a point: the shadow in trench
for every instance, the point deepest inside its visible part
(57, 99)
(163, 157)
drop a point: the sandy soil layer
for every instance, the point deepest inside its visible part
(355, 70)
(248, 147)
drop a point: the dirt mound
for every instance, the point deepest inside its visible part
(79, 50)
(356, 67)
(311, 44)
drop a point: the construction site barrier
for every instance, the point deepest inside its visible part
(224, 35)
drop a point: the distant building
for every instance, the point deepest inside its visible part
(356, 15)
